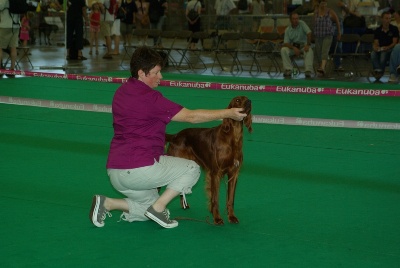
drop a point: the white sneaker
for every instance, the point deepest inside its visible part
(393, 79)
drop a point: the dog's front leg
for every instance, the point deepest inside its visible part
(213, 183)
(230, 197)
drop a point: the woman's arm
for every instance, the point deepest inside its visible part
(201, 115)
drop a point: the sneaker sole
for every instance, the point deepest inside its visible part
(160, 222)
(93, 211)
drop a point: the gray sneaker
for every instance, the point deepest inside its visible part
(98, 212)
(162, 218)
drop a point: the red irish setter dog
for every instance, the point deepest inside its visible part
(218, 151)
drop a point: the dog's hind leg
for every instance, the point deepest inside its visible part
(230, 197)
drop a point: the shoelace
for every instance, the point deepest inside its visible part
(184, 202)
(105, 214)
(123, 217)
(166, 213)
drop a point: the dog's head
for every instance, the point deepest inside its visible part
(245, 103)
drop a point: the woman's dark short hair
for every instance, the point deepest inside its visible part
(145, 59)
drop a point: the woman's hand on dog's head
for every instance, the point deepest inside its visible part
(238, 114)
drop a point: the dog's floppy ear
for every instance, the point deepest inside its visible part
(248, 121)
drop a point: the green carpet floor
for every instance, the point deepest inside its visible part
(306, 196)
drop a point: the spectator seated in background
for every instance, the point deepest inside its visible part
(297, 40)
(396, 19)
(385, 38)
(394, 65)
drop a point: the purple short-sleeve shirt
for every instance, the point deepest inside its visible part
(140, 117)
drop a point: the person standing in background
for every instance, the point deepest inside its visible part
(106, 22)
(244, 20)
(25, 28)
(324, 19)
(116, 29)
(142, 11)
(340, 8)
(223, 8)
(269, 7)
(157, 13)
(352, 6)
(9, 34)
(76, 14)
(128, 23)
(94, 28)
(194, 25)
(257, 9)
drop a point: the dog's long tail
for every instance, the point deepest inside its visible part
(168, 138)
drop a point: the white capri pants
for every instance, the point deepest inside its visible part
(139, 185)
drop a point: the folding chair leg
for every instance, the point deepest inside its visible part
(257, 64)
(24, 54)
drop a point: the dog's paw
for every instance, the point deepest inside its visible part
(233, 219)
(218, 221)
